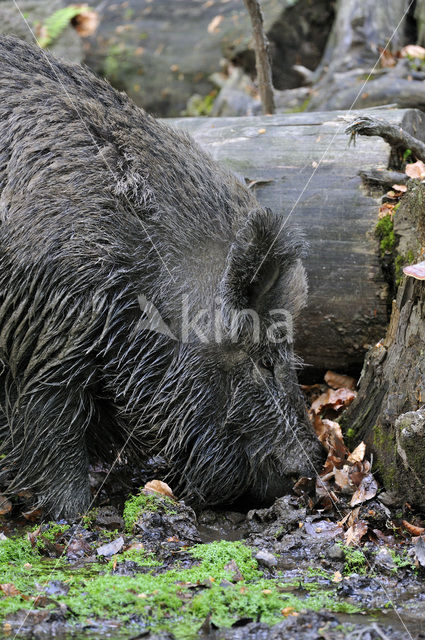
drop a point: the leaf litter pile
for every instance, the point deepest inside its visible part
(306, 567)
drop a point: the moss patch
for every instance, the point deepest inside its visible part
(136, 505)
(386, 447)
(176, 600)
(385, 232)
(400, 262)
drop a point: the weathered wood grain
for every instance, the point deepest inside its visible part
(301, 164)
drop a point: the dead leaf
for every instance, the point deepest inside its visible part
(355, 533)
(5, 505)
(332, 439)
(413, 529)
(353, 517)
(415, 169)
(213, 26)
(157, 486)
(333, 399)
(386, 209)
(9, 589)
(358, 454)
(343, 480)
(338, 380)
(367, 490)
(386, 58)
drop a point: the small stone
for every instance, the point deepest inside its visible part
(266, 558)
(389, 499)
(384, 561)
(335, 552)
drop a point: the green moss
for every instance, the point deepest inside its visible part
(385, 232)
(51, 531)
(89, 518)
(136, 505)
(401, 560)
(400, 262)
(201, 105)
(216, 555)
(16, 550)
(355, 561)
(139, 556)
(176, 601)
(319, 573)
(385, 444)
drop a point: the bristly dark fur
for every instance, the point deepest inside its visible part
(100, 204)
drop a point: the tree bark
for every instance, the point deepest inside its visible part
(300, 164)
(388, 411)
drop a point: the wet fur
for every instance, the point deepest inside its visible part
(99, 204)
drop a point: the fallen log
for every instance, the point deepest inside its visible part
(301, 165)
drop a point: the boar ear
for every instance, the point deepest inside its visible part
(263, 269)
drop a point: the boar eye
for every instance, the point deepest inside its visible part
(267, 363)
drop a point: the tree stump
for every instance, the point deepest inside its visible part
(388, 412)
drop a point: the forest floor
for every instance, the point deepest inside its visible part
(337, 559)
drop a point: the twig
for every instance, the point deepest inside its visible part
(396, 137)
(262, 60)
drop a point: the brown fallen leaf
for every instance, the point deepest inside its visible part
(358, 454)
(367, 490)
(338, 380)
(157, 486)
(358, 471)
(353, 517)
(386, 58)
(343, 480)
(386, 209)
(9, 589)
(355, 533)
(5, 505)
(413, 529)
(335, 399)
(332, 439)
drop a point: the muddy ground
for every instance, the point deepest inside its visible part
(164, 572)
